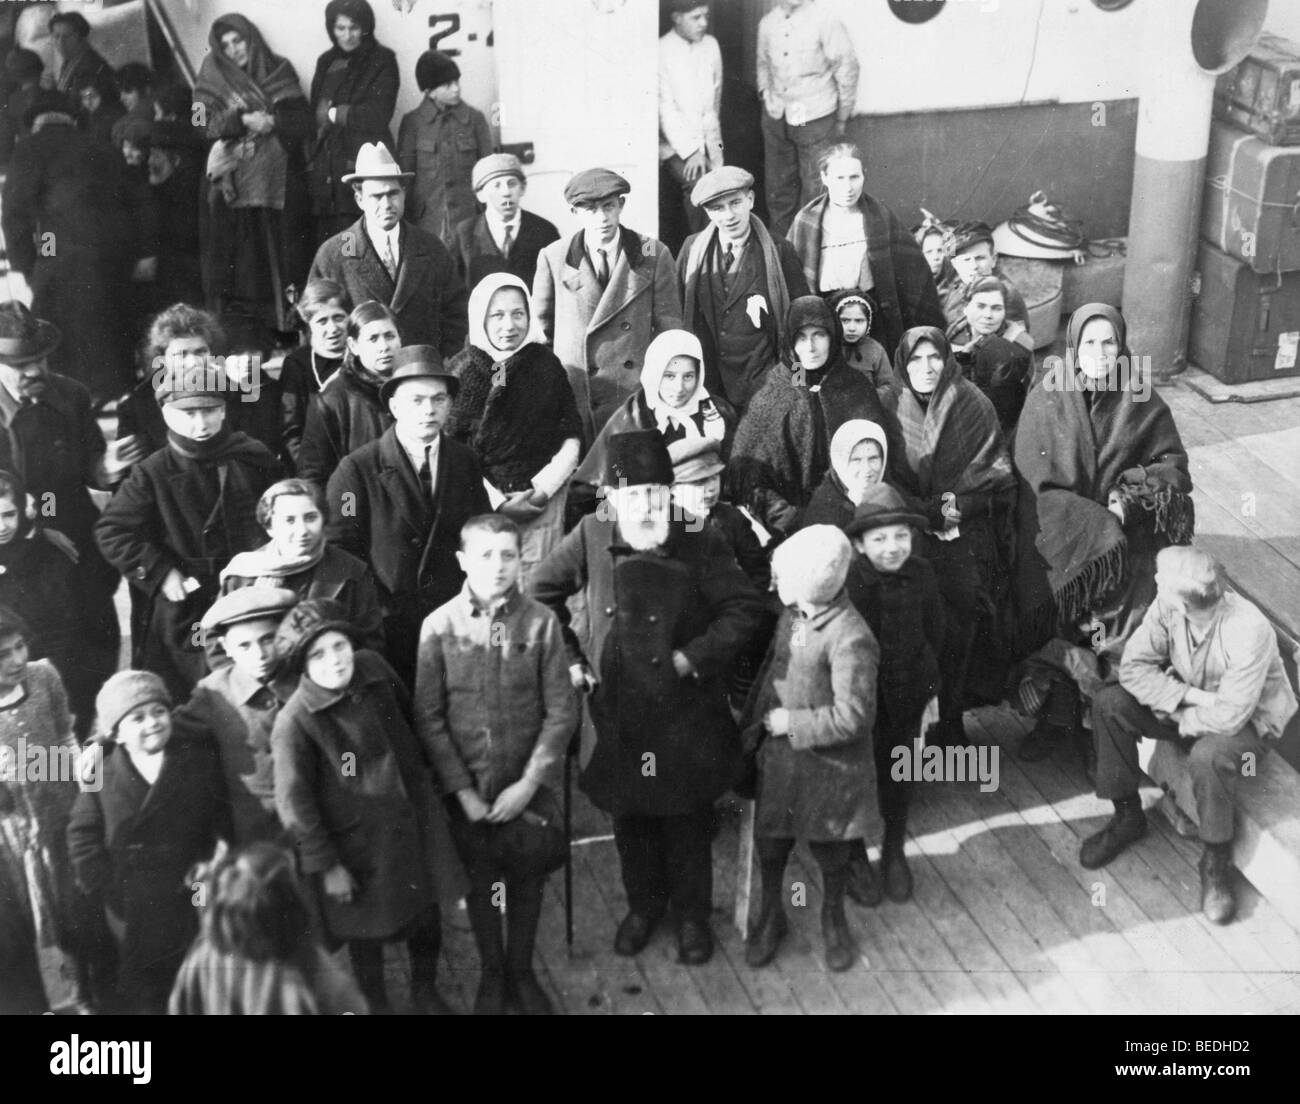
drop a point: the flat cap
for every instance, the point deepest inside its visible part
(191, 386)
(593, 185)
(494, 165)
(251, 603)
(695, 458)
(967, 234)
(718, 182)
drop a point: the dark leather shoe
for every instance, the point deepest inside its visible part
(841, 951)
(1218, 900)
(491, 998)
(634, 933)
(694, 942)
(949, 733)
(530, 997)
(863, 888)
(896, 874)
(1128, 825)
(765, 937)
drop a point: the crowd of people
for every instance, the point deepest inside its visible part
(730, 520)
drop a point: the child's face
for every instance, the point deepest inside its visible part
(161, 165)
(329, 329)
(130, 98)
(491, 564)
(934, 252)
(10, 518)
(678, 383)
(198, 423)
(853, 319)
(91, 100)
(446, 95)
(132, 154)
(506, 323)
(986, 312)
(978, 260)
(146, 729)
(600, 220)
(886, 547)
(924, 367)
(331, 661)
(13, 662)
(251, 647)
(503, 194)
(375, 346)
(699, 496)
(864, 467)
(812, 345)
(296, 525)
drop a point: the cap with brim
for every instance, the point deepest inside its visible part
(307, 622)
(883, 506)
(418, 362)
(23, 336)
(968, 234)
(254, 603)
(593, 185)
(494, 165)
(720, 182)
(695, 459)
(374, 162)
(190, 388)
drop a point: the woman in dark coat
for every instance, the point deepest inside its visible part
(859, 455)
(995, 354)
(954, 464)
(256, 240)
(782, 449)
(353, 95)
(1104, 487)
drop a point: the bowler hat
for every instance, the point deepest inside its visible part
(881, 506)
(374, 162)
(23, 336)
(695, 458)
(307, 621)
(718, 182)
(494, 165)
(253, 603)
(593, 185)
(418, 362)
(636, 458)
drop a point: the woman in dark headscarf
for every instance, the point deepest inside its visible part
(954, 463)
(258, 118)
(1104, 487)
(782, 448)
(353, 95)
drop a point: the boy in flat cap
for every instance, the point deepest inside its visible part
(181, 515)
(503, 237)
(974, 256)
(602, 295)
(669, 610)
(439, 142)
(737, 282)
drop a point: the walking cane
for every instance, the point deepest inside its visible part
(569, 754)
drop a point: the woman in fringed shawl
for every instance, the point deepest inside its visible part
(782, 449)
(668, 400)
(256, 237)
(954, 462)
(516, 410)
(353, 95)
(845, 219)
(1104, 487)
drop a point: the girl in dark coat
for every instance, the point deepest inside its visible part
(995, 354)
(348, 413)
(855, 311)
(374, 841)
(353, 96)
(161, 808)
(954, 464)
(782, 449)
(898, 597)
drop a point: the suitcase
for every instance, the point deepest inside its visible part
(1262, 94)
(1251, 207)
(1245, 326)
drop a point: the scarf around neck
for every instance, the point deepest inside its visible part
(697, 409)
(778, 295)
(269, 567)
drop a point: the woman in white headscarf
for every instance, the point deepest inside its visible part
(859, 454)
(515, 409)
(673, 398)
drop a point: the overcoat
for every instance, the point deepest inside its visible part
(600, 335)
(344, 416)
(441, 145)
(665, 745)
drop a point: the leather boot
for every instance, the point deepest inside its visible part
(893, 863)
(523, 913)
(863, 887)
(1218, 901)
(841, 951)
(771, 925)
(1128, 825)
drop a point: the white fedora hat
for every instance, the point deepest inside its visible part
(374, 162)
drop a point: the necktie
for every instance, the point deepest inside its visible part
(426, 474)
(729, 259)
(390, 262)
(507, 242)
(602, 269)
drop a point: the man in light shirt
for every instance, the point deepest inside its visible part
(690, 95)
(808, 79)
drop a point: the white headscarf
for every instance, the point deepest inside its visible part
(669, 344)
(480, 299)
(851, 434)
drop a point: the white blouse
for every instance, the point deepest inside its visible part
(844, 250)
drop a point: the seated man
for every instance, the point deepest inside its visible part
(1203, 668)
(973, 256)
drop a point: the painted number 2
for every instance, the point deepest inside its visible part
(440, 32)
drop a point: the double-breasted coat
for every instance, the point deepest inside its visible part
(665, 745)
(409, 542)
(428, 298)
(354, 786)
(601, 335)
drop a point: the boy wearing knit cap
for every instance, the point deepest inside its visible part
(898, 597)
(503, 237)
(811, 717)
(440, 141)
(161, 808)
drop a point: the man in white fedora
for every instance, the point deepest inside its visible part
(382, 257)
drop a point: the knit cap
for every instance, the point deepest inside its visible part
(125, 691)
(812, 565)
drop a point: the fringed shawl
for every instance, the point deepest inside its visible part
(1073, 447)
